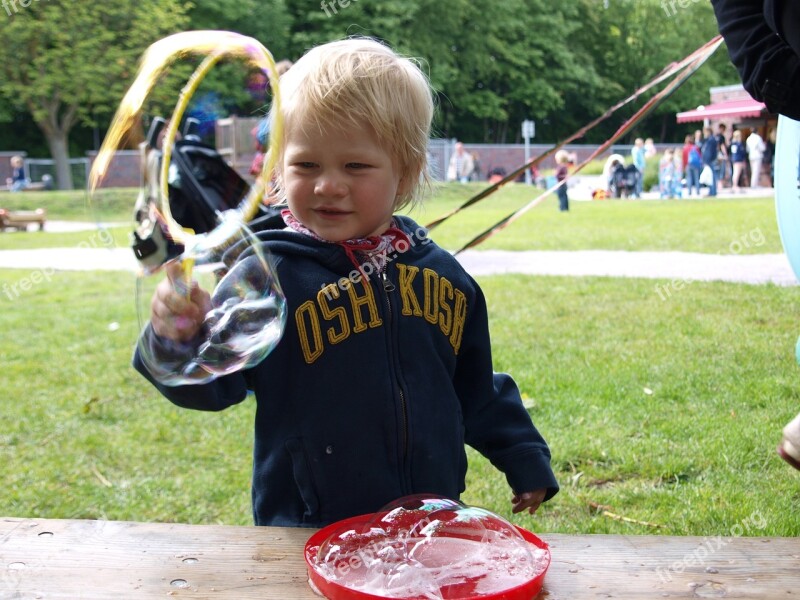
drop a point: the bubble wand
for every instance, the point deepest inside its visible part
(247, 310)
(156, 60)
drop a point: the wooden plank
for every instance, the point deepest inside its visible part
(639, 567)
(94, 560)
(44, 558)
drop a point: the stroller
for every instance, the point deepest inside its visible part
(624, 180)
(201, 186)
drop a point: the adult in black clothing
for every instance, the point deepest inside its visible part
(763, 38)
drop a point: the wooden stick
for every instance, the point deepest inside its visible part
(603, 510)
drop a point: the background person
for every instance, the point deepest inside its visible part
(17, 182)
(666, 175)
(563, 162)
(461, 165)
(763, 41)
(639, 160)
(692, 164)
(738, 158)
(710, 153)
(755, 153)
(722, 158)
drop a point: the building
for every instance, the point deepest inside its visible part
(737, 109)
(733, 106)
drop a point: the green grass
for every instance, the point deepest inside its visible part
(83, 436)
(117, 236)
(696, 456)
(708, 225)
(115, 204)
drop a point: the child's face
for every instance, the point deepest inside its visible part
(340, 184)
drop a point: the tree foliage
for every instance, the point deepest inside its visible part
(496, 64)
(491, 64)
(65, 63)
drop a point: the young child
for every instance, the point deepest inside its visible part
(666, 174)
(384, 372)
(677, 165)
(17, 182)
(563, 162)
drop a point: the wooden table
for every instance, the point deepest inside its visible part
(88, 560)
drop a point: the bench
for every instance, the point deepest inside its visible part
(97, 560)
(21, 219)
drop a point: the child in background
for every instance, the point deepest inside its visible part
(379, 382)
(666, 174)
(563, 161)
(677, 182)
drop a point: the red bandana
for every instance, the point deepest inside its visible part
(359, 250)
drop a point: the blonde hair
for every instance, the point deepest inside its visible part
(358, 81)
(562, 157)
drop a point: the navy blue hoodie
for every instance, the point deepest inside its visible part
(375, 387)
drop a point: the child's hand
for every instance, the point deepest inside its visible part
(530, 500)
(173, 314)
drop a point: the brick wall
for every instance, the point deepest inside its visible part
(123, 170)
(512, 156)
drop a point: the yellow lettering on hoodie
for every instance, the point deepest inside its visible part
(311, 344)
(368, 300)
(446, 313)
(332, 291)
(409, 297)
(430, 301)
(459, 317)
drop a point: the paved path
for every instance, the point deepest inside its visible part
(688, 266)
(752, 269)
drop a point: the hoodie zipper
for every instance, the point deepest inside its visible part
(389, 287)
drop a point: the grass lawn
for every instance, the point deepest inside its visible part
(709, 226)
(663, 411)
(706, 225)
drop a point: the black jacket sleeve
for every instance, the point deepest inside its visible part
(769, 68)
(496, 423)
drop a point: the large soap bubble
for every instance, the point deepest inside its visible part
(427, 547)
(787, 188)
(246, 317)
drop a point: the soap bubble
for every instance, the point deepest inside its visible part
(432, 548)
(246, 317)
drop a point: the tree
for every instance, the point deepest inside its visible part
(491, 64)
(500, 63)
(70, 62)
(629, 42)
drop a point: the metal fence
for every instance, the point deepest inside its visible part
(37, 168)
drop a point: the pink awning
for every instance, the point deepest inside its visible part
(724, 110)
